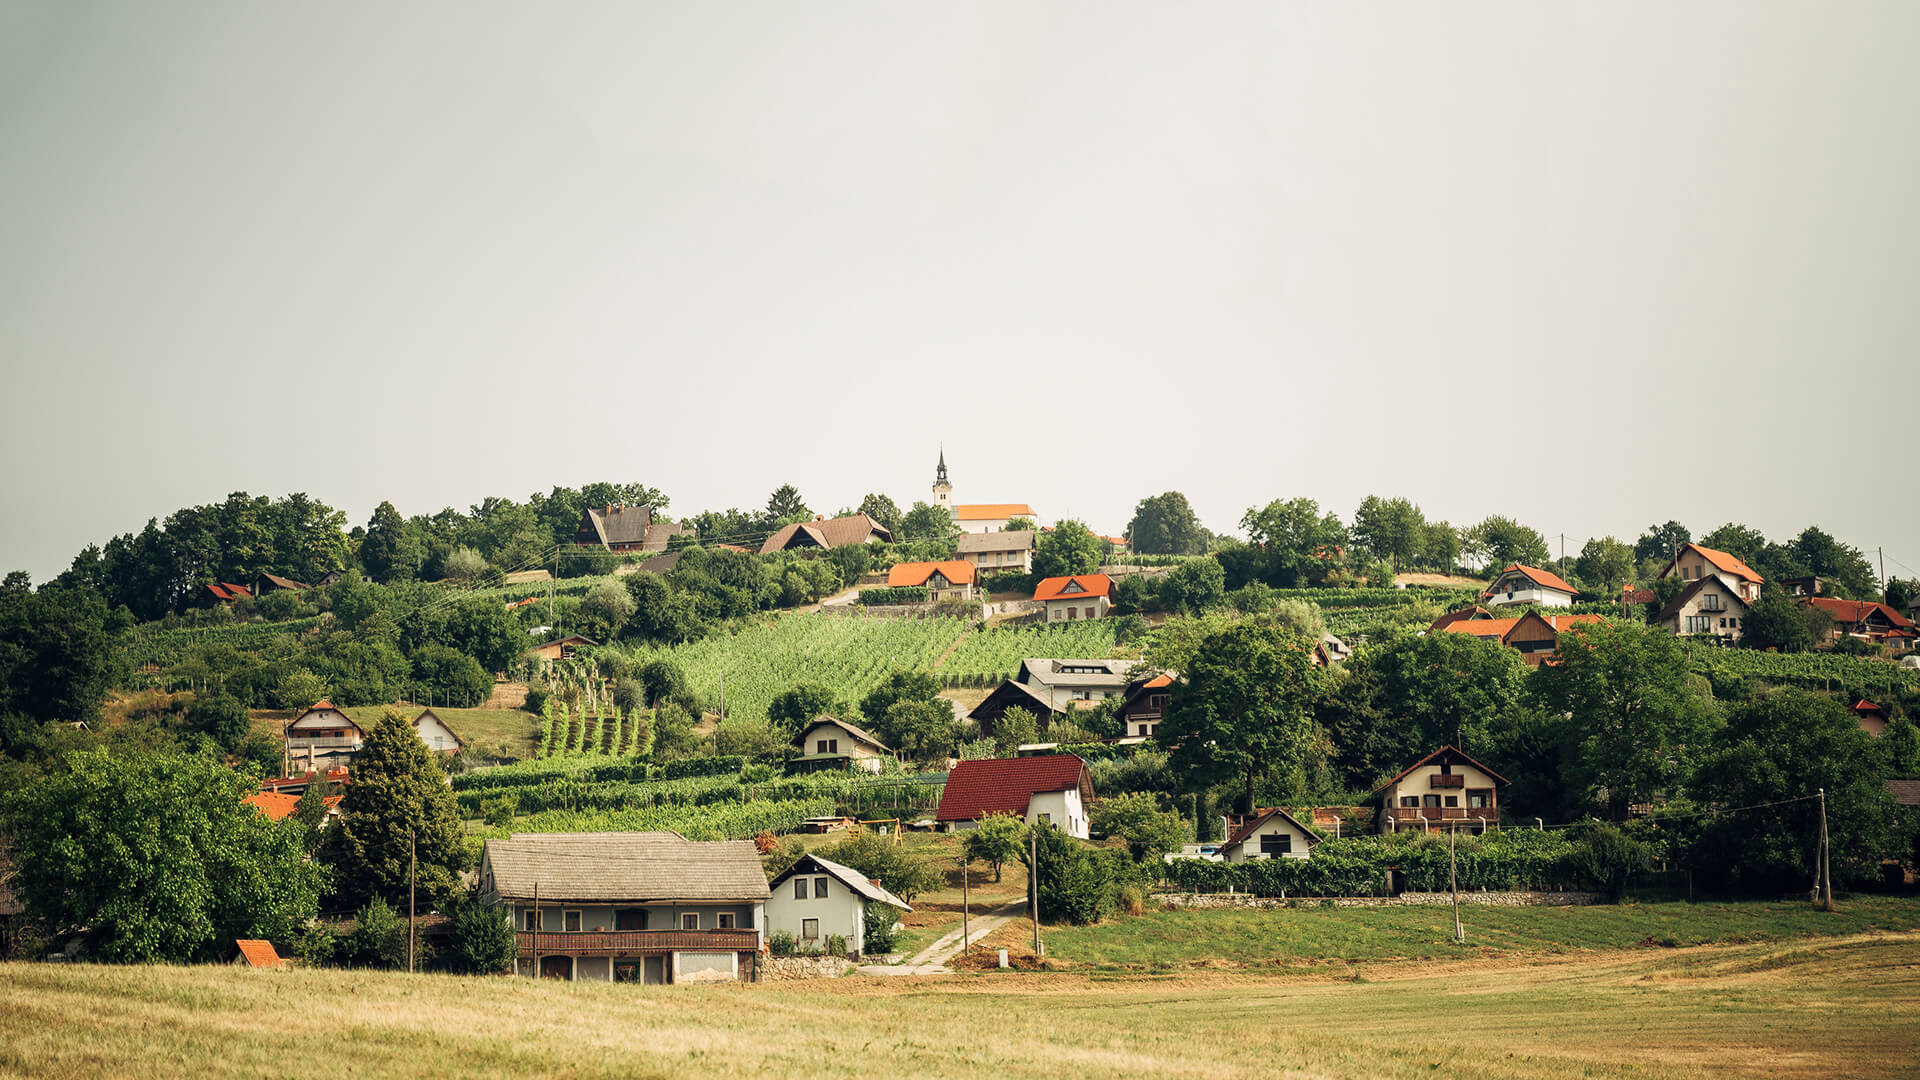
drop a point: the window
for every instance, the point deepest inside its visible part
(630, 919)
(726, 920)
(690, 920)
(1073, 613)
(626, 973)
(1409, 800)
(1699, 624)
(1431, 800)
(827, 746)
(799, 888)
(1479, 800)
(810, 929)
(819, 888)
(532, 920)
(1275, 843)
(1453, 800)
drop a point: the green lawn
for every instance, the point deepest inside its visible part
(1310, 934)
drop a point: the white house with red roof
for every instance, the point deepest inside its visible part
(1082, 596)
(1051, 790)
(322, 738)
(1528, 586)
(1693, 562)
(1269, 834)
(951, 579)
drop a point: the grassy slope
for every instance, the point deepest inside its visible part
(1313, 935)
(1807, 1009)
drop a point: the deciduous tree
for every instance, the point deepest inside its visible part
(1165, 525)
(1245, 708)
(1071, 548)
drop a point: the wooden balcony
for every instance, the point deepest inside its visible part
(636, 942)
(1411, 814)
(1438, 780)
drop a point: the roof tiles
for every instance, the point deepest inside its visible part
(1004, 785)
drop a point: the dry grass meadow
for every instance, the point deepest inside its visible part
(1807, 1007)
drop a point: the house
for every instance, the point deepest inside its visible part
(626, 528)
(641, 907)
(1269, 834)
(1121, 545)
(264, 583)
(1865, 619)
(1145, 705)
(1464, 614)
(1904, 792)
(1873, 718)
(323, 737)
(1693, 561)
(297, 785)
(1445, 789)
(952, 579)
(249, 952)
(826, 533)
(1330, 650)
(816, 898)
(1051, 790)
(1536, 636)
(990, 517)
(1082, 596)
(434, 731)
(1707, 607)
(221, 592)
(1009, 551)
(279, 807)
(561, 648)
(1804, 586)
(1528, 586)
(331, 577)
(828, 743)
(1048, 686)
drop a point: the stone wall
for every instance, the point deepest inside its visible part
(1410, 899)
(902, 611)
(790, 968)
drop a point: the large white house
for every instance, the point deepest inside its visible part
(816, 898)
(975, 517)
(322, 738)
(1693, 562)
(829, 743)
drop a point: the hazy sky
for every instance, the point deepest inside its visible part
(1590, 266)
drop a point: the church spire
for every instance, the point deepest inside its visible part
(940, 474)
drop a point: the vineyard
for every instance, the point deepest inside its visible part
(995, 654)
(769, 656)
(160, 646)
(1364, 611)
(1851, 676)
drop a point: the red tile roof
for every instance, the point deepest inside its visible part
(1546, 579)
(1498, 629)
(259, 954)
(992, 511)
(1004, 785)
(1853, 611)
(1863, 705)
(1465, 614)
(1725, 563)
(907, 574)
(1054, 588)
(1160, 680)
(279, 807)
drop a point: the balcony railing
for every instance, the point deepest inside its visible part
(1443, 813)
(620, 942)
(1438, 780)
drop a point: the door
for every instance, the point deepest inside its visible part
(556, 967)
(626, 971)
(655, 970)
(630, 919)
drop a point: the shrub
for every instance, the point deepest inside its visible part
(536, 700)
(224, 720)
(379, 940)
(836, 945)
(318, 946)
(905, 876)
(781, 943)
(904, 594)
(883, 927)
(483, 941)
(499, 810)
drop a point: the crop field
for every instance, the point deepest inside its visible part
(1806, 1008)
(1851, 675)
(998, 652)
(771, 655)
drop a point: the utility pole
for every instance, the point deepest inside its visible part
(966, 927)
(723, 695)
(411, 862)
(1823, 898)
(1033, 885)
(1453, 886)
(1883, 571)
(536, 931)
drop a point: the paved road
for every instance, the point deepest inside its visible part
(930, 960)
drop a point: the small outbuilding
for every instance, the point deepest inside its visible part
(816, 898)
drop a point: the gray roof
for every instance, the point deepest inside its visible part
(854, 879)
(1042, 705)
(1014, 540)
(624, 867)
(826, 533)
(857, 732)
(619, 524)
(1114, 674)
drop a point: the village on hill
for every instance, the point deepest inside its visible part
(576, 738)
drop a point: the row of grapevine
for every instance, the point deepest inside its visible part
(998, 652)
(1822, 671)
(722, 821)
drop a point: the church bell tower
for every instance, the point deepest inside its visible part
(942, 491)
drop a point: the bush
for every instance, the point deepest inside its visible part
(1512, 860)
(224, 720)
(883, 927)
(318, 946)
(536, 700)
(499, 810)
(905, 876)
(483, 941)
(1607, 857)
(379, 939)
(905, 594)
(781, 943)
(836, 945)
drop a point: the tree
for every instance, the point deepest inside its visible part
(1016, 727)
(1848, 571)
(1244, 710)
(1137, 818)
(390, 552)
(223, 718)
(483, 940)
(484, 630)
(1440, 547)
(1417, 694)
(661, 680)
(1609, 857)
(1605, 565)
(997, 839)
(59, 653)
(883, 510)
(398, 802)
(1165, 525)
(785, 505)
(1661, 542)
(1634, 722)
(1776, 622)
(464, 564)
(800, 704)
(156, 858)
(1503, 540)
(661, 612)
(1295, 539)
(673, 735)
(898, 686)
(605, 609)
(921, 730)
(1774, 752)
(379, 939)
(898, 871)
(449, 675)
(1195, 586)
(1748, 545)
(1392, 529)
(1071, 548)
(926, 522)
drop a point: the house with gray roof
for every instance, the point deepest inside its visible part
(626, 528)
(998, 552)
(642, 907)
(1051, 686)
(831, 743)
(816, 898)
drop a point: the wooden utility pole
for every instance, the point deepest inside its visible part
(536, 930)
(966, 931)
(412, 850)
(1033, 885)
(1823, 870)
(1453, 886)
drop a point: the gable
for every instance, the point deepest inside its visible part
(324, 719)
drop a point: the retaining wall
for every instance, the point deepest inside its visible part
(792, 968)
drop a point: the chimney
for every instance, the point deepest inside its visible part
(608, 512)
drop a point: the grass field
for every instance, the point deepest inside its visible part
(1807, 1008)
(1310, 935)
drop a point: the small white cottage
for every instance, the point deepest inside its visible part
(440, 738)
(816, 898)
(1270, 834)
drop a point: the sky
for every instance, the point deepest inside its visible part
(1589, 266)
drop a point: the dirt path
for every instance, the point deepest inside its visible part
(951, 649)
(932, 959)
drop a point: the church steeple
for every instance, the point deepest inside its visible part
(942, 490)
(940, 474)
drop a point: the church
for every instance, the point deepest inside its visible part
(976, 517)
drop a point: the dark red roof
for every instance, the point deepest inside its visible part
(1853, 611)
(1546, 579)
(1003, 785)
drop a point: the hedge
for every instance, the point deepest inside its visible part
(1515, 859)
(905, 594)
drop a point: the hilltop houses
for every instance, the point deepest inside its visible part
(952, 579)
(626, 528)
(321, 738)
(1535, 636)
(1082, 596)
(1865, 620)
(1269, 834)
(1707, 607)
(828, 743)
(1048, 686)
(1008, 551)
(975, 517)
(1528, 586)
(1693, 562)
(817, 898)
(1445, 789)
(826, 533)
